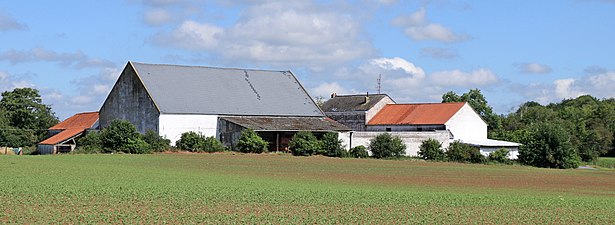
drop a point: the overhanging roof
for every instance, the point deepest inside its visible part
(224, 91)
(287, 123)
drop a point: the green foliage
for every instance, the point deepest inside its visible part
(211, 144)
(24, 119)
(500, 155)
(120, 136)
(189, 141)
(137, 146)
(89, 144)
(385, 146)
(250, 142)
(304, 143)
(431, 149)
(156, 142)
(548, 146)
(359, 152)
(479, 103)
(332, 145)
(461, 152)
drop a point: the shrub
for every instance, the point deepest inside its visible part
(431, 149)
(332, 145)
(304, 143)
(500, 155)
(189, 141)
(549, 146)
(359, 152)
(385, 145)
(89, 144)
(156, 142)
(211, 144)
(461, 152)
(121, 136)
(137, 146)
(250, 142)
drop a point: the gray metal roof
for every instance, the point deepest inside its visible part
(259, 123)
(346, 103)
(223, 91)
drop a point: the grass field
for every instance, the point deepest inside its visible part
(281, 189)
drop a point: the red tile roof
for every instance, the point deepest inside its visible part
(71, 127)
(416, 114)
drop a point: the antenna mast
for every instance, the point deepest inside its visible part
(379, 83)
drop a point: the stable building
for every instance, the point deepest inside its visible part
(219, 102)
(62, 137)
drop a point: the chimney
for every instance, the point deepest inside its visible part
(333, 95)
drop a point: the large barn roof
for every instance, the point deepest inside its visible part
(416, 114)
(224, 91)
(346, 103)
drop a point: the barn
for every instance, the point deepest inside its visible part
(355, 110)
(61, 137)
(219, 102)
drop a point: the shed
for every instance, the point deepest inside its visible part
(62, 136)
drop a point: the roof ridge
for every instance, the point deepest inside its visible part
(207, 67)
(429, 103)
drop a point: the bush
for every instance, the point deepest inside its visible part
(156, 142)
(189, 141)
(332, 145)
(359, 152)
(304, 143)
(211, 144)
(137, 146)
(500, 155)
(385, 145)
(250, 142)
(121, 136)
(89, 144)
(431, 149)
(549, 146)
(460, 152)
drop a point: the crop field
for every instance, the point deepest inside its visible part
(282, 189)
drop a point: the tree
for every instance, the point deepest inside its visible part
(431, 149)
(385, 146)
(478, 102)
(24, 119)
(332, 145)
(250, 142)
(90, 143)
(548, 146)
(304, 143)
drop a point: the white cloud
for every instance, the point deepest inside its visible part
(39, 54)
(457, 78)
(9, 23)
(325, 89)
(564, 89)
(398, 63)
(290, 33)
(9, 82)
(533, 68)
(418, 28)
(157, 17)
(439, 53)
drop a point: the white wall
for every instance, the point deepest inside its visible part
(172, 126)
(466, 124)
(377, 107)
(513, 152)
(412, 139)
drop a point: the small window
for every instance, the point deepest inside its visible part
(388, 129)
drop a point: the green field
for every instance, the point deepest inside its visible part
(282, 189)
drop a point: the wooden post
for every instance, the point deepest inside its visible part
(277, 141)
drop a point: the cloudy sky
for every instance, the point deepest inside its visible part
(514, 51)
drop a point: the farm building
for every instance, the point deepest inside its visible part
(220, 102)
(62, 136)
(414, 123)
(355, 110)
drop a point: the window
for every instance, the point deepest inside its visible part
(388, 129)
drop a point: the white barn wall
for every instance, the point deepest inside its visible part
(412, 139)
(466, 124)
(513, 152)
(171, 126)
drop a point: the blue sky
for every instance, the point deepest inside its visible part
(514, 51)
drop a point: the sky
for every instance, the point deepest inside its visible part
(514, 51)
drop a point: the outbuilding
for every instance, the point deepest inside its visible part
(62, 137)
